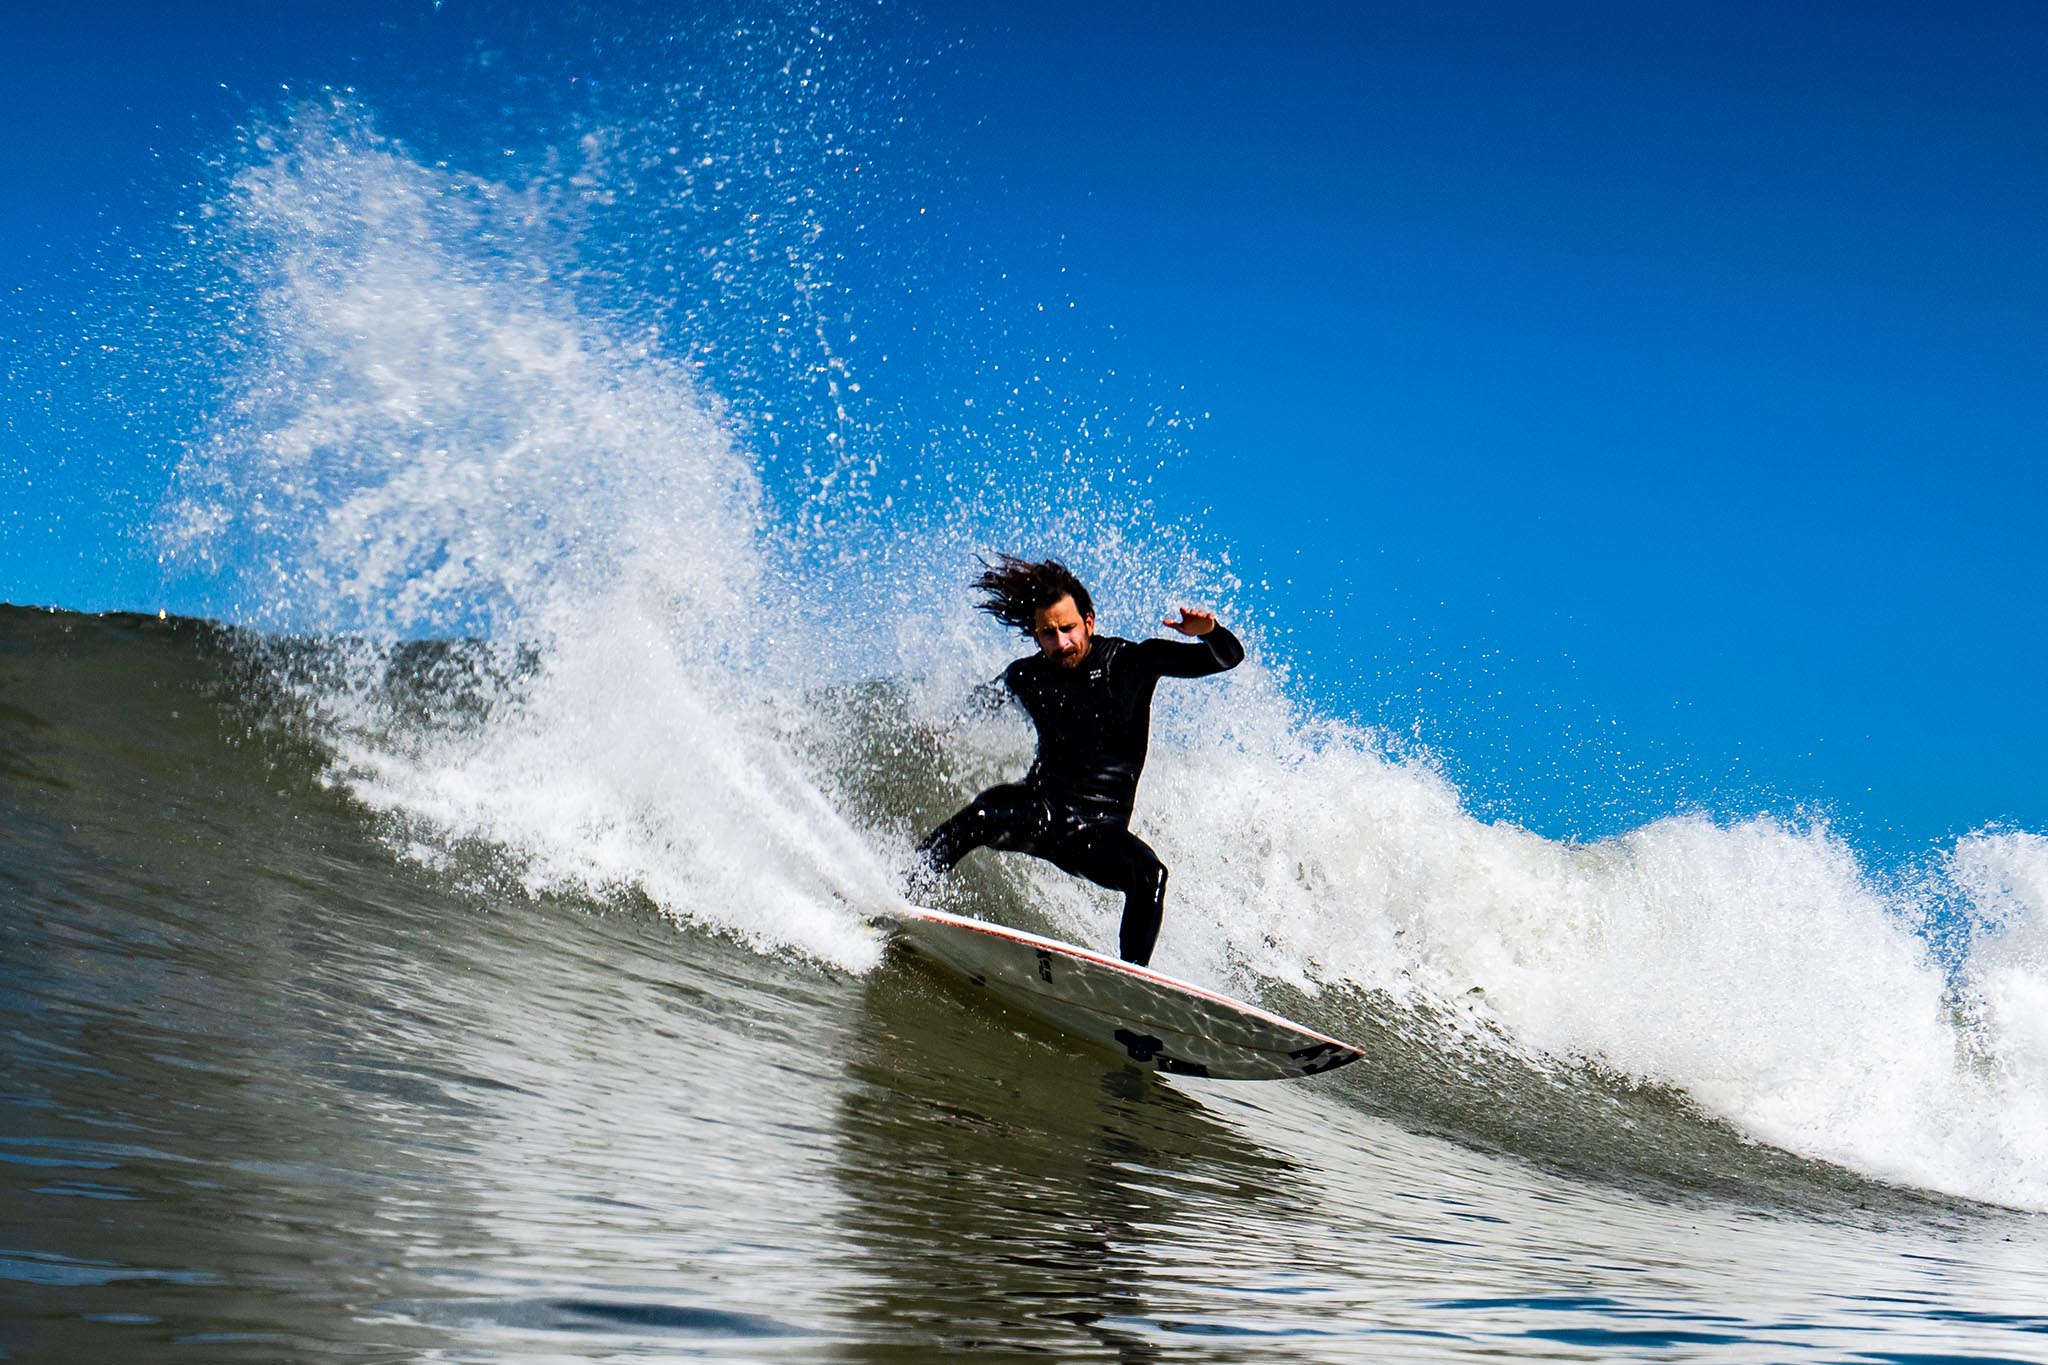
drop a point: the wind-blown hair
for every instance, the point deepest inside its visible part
(1016, 590)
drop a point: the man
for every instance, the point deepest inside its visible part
(1091, 698)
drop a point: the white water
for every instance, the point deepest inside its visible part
(431, 437)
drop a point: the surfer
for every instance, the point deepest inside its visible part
(1090, 697)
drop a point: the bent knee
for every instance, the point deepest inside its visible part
(1146, 877)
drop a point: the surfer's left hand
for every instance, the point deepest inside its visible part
(1192, 622)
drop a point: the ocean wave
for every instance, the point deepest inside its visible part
(731, 701)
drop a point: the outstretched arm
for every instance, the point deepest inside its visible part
(1212, 650)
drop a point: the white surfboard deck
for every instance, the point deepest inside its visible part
(1155, 1020)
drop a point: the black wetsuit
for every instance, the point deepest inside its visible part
(1073, 808)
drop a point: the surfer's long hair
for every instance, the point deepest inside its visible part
(1015, 590)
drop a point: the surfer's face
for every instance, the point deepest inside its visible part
(1063, 632)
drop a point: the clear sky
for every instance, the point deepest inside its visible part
(1644, 404)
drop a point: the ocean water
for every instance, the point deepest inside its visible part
(454, 946)
(289, 1076)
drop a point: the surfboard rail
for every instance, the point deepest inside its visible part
(1151, 1018)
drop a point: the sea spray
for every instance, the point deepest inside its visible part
(428, 439)
(421, 433)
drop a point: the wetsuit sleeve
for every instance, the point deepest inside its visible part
(1215, 652)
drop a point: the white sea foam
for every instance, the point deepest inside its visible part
(428, 440)
(1757, 967)
(429, 437)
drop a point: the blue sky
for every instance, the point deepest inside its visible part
(1643, 404)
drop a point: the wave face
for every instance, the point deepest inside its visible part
(712, 640)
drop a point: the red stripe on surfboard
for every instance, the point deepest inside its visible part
(1030, 940)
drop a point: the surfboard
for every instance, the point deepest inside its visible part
(1153, 1019)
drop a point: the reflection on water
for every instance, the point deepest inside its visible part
(1001, 1187)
